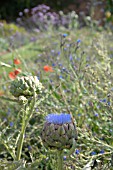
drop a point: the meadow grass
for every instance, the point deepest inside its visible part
(80, 84)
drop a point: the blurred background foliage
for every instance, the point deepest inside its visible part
(9, 9)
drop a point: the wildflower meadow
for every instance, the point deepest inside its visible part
(56, 91)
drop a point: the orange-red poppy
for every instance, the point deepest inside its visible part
(17, 71)
(12, 75)
(17, 61)
(48, 68)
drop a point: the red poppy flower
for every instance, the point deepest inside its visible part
(48, 68)
(17, 61)
(1, 93)
(12, 75)
(17, 71)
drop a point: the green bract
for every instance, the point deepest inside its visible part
(25, 86)
(59, 136)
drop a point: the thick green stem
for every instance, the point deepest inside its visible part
(21, 138)
(20, 145)
(60, 160)
(25, 122)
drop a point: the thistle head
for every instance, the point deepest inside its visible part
(59, 131)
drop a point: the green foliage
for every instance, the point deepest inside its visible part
(3, 44)
(12, 36)
(80, 84)
(12, 165)
(10, 29)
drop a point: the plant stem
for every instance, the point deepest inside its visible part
(25, 121)
(60, 160)
(20, 145)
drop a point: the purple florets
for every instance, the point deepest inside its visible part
(58, 118)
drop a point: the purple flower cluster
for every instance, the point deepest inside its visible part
(41, 17)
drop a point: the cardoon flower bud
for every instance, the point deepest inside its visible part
(59, 131)
(25, 86)
(22, 100)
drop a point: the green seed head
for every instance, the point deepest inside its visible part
(25, 86)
